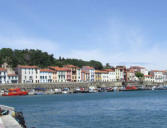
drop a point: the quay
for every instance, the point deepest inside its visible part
(70, 85)
(74, 85)
(9, 118)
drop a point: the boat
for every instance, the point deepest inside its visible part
(109, 89)
(39, 91)
(15, 92)
(58, 91)
(92, 89)
(65, 91)
(130, 88)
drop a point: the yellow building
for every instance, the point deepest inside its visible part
(98, 75)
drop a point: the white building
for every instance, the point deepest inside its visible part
(79, 71)
(111, 74)
(46, 75)
(120, 73)
(12, 78)
(28, 74)
(104, 76)
(148, 78)
(158, 76)
(3, 76)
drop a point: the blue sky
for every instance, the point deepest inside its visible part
(126, 32)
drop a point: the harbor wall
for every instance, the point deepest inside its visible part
(72, 85)
(62, 85)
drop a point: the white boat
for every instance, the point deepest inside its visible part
(31, 92)
(92, 89)
(153, 88)
(58, 91)
(65, 91)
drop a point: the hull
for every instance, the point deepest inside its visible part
(131, 88)
(16, 93)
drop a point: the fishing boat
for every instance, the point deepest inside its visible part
(131, 88)
(15, 92)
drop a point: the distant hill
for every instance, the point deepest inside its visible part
(41, 59)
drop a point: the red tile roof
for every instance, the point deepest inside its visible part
(148, 75)
(27, 66)
(156, 71)
(56, 68)
(88, 67)
(137, 67)
(46, 70)
(12, 75)
(110, 70)
(101, 71)
(70, 66)
(2, 69)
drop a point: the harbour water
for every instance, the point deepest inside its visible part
(130, 109)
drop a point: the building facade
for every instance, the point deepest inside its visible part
(91, 71)
(61, 73)
(28, 74)
(3, 76)
(46, 76)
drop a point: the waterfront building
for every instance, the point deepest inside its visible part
(46, 75)
(120, 72)
(131, 75)
(98, 75)
(165, 75)
(140, 69)
(12, 78)
(79, 71)
(104, 76)
(73, 72)
(85, 77)
(111, 74)
(158, 76)
(148, 78)
(3, 76)
(28, 74)
(91, 71)
(61, 73)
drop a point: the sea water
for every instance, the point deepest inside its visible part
(131, 109)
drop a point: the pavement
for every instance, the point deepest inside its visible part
(8, 121)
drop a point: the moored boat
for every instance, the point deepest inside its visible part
(130, 88)
(15, 92)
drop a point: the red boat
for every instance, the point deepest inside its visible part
(15, 92)
(131, 88)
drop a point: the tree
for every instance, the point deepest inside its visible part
(41, 59)
(140, 76)
(107, 66)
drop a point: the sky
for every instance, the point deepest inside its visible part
(119, 32)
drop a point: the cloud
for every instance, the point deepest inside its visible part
(124, 44)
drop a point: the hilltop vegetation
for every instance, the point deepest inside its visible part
(41, 59)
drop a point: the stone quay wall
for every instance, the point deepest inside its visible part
(70, 85)
(73, 85)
